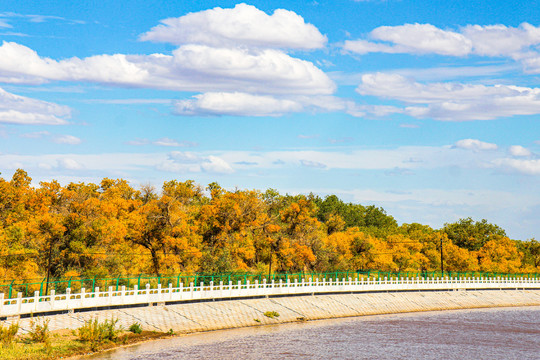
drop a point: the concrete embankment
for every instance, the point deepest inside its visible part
(213, 315)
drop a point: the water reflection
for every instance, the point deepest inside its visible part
(510, 333)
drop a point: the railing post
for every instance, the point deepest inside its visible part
(53, 295)
(1, 302)
(68, 295)
(19, 302)
(36, 300)
(110, 295)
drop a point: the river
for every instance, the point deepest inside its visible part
(499, 333)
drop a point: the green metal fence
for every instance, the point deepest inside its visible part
(27, 287)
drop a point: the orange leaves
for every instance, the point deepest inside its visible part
(111, 228)
(272, 228)
(500, 255)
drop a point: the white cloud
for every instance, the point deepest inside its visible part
(235, 57)
(529, 166)
(69, 164)
(185, 157)
(302, 136)
(243, 25)
(190, 68)
(518, 43)
(363, 47)
(501, 40)
(396, 161)
(184, 162)
(35, 134)
(475, 145)
(312, 164)
(453, 101)
(214, 164)
(67, 139)
(518, 150)
(488, 40)
(239, 104)
(15, 109)
(413, 38)
(173, 143)
(5, 24)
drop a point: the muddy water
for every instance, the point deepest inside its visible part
(507, 333)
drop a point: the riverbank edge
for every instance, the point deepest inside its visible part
(208, 316)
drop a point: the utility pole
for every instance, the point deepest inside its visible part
(442, 264)
(48, 269)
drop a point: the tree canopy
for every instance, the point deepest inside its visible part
(113, 229)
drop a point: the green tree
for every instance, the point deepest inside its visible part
(471, 235)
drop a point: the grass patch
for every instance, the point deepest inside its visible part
(39, 330)
(95, 333)
(7, 334)
(271, 314)
(135, 328)
(66, 343)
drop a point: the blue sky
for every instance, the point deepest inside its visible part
(426, 108)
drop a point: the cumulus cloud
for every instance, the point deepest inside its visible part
(475, 145)
(488, 40)
(15, 109)
(191, 67)
(224, 54)
(518, 150)
(412, 38)
(518, 43)
(243, 25)
(239, 104)
(501, 40)
(453, 101)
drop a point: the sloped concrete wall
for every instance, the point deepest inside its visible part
(213, 315)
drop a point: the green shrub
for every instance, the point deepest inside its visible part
(7, 333)
(97, 333)
(271, 314)
(135, 328)
(39, 330)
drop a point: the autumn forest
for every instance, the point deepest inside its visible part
(113, 229)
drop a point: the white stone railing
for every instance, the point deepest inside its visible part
(148, 296)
